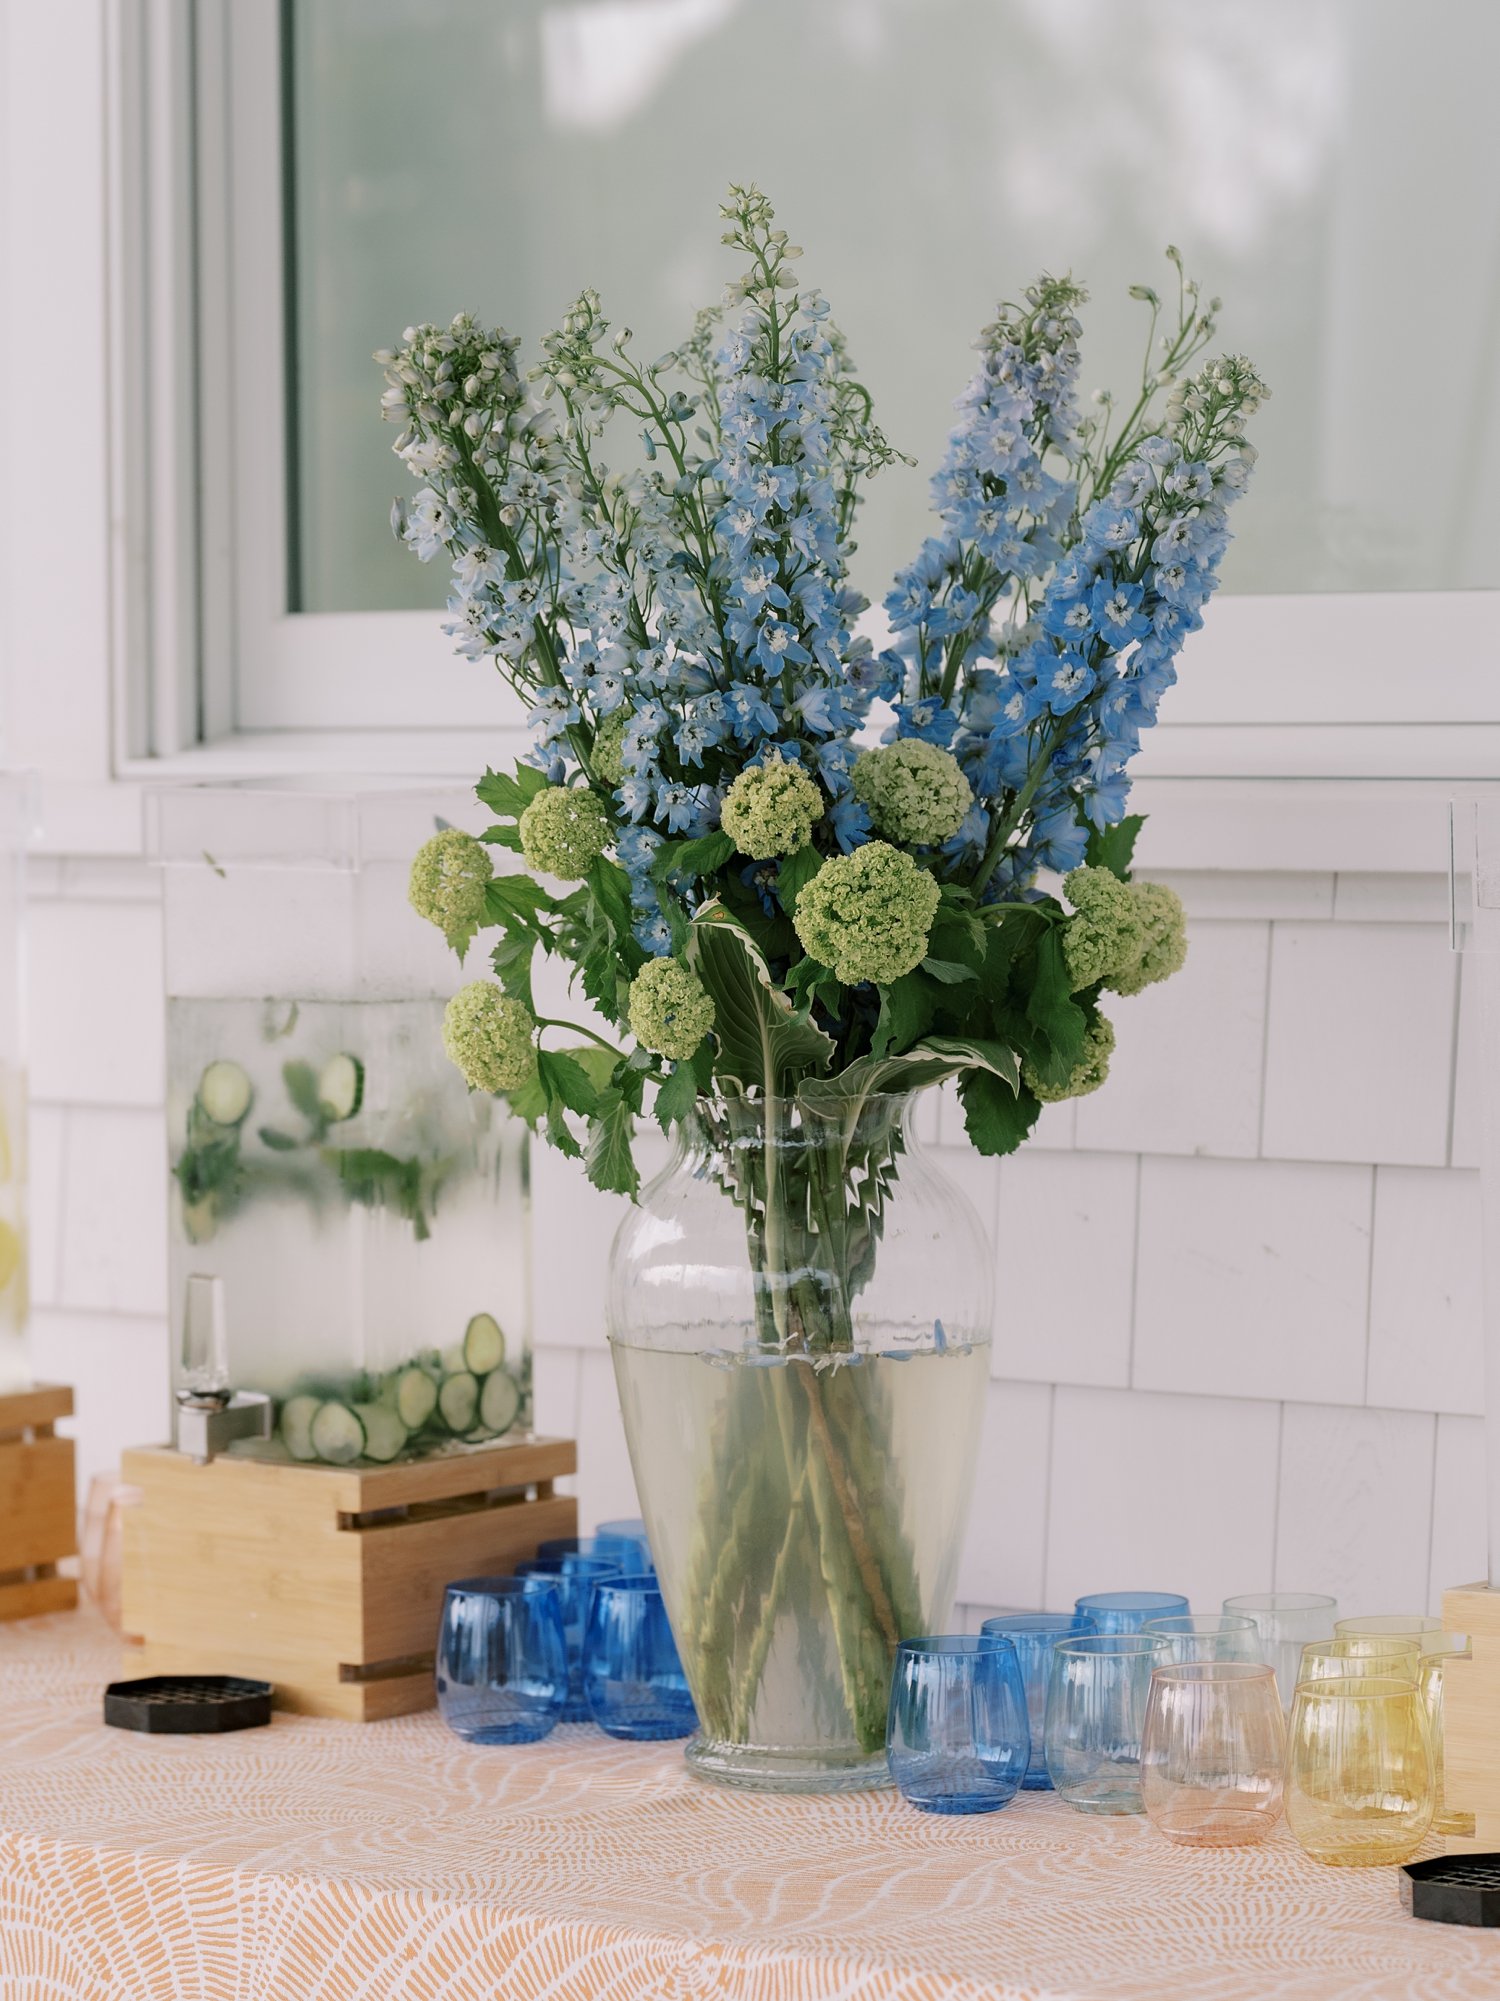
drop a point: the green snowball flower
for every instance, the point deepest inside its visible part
(1165, 924)
(669, 1011)
(868, 914)
(607, 757)
(770, 809)
(449, 876)
(1106, 934)
(563, 831)
(1089, 1073)
(489, 1036)
(916, 792)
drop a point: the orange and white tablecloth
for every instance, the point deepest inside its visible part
(332, 1862)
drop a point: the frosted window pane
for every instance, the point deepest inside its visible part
(1332, 167)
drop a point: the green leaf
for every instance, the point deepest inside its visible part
(301, 1082)
(761, 1038)
(996, 1119)
(1056, 1018)
(515, 900)
(1114, 847)
(608, 1160)
(906, 1011)
(279, 1142)
(529, 1100)
(597, 1064)
(793, 876)
(511, 960)
(507, 795)
(929, 1062)
(959, 937)
(559, 1134)
(610, 888)
(703, 855)
(676, 1097)
(502, 837)
(566, 1082)
(948, 971)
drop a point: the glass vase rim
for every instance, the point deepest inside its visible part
(1280, 1601)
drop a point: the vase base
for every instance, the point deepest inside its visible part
(765, 1769)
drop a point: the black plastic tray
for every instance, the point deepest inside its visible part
(187, 1705)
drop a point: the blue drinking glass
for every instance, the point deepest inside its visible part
(633, 1528)
(575, 1577)
(625, 1552)
(957, 1738)
(632, 1677)
(1128, 1611)
(1034, 1635)
(502, 1663)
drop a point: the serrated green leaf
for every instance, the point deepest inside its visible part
(928, 1062)
(794, 874)
(610, 888)
(948, 971)
(502, 837)
(508, 795)
(704, 855)
(907, 1006)
(995, 1118)
(529, 1100)
(597, 1064)
(1114, 847)
(511, 960)
(566, 1082)
(676, 1097)
(1055, 1017)
(608, 1159)
(559, 1134)
(514, 900)
(761, 1040)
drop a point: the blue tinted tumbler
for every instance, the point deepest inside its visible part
(1034, 1635)
(576, 1577)
(1128, 1611)
(502, 1667)
(632, 1679)
(957, 1738)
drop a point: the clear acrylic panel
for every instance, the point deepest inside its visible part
(1331, 167)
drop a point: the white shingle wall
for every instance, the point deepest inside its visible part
(1237, 1338)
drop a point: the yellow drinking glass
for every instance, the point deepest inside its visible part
(1359, 1788)
(1334, 1660)
(1430, 1679)
(1387, 1626)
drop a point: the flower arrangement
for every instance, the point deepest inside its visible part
(777, 858)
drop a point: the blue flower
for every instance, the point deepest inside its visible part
(1067, 682)
(1117, 612)
(930, 719)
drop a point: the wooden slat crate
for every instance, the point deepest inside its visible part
(1471, 1717)
(38, 1506)
(325, 1581)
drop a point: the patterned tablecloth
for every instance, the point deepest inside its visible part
(332, 1862)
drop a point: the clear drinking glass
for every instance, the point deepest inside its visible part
(502, 1668)
(1208, 1636)
(1387, 1626)
(1431, 1675)
(1034, 1635)
(958, 1739)
(1287, 1621)
(1336, 1659)
(1128, 1611)
(576, 1577)
(1096, 1706)
(1359, 1781)
(632, 1676)
(1212, 1749)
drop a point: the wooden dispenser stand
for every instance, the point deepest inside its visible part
(38, 1506)
(325, 1581)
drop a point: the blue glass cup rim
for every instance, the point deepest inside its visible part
(511, 1586)
(584, 1545)
(571, 1565)
(956, 1646)
(631, 1530)
(1130, 1601)
(640, 1584)
(1122, 1645)
(1065, 1624)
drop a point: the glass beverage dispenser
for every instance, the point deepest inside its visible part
(349, 1224)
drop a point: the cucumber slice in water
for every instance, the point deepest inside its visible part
(341, 1087)
(337, 1436)
(484, 1344)
(458, 1400)
(297, 1415)
(385, 1434)
(451, 1361)
(413, 1395)
(224, 1093)
(499, 1402)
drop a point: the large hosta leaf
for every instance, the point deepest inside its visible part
(763, 1041)
(930, 1062)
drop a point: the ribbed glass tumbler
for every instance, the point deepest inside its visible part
(1359, 1782)
(1096, 1707)
(1034, 1635)
(1337, 1659)
(1128, 1611)
(1208, 1636)
(1287, 1622)
(1212, 1749)
(957, 1739)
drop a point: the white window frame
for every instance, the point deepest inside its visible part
(1358, 685)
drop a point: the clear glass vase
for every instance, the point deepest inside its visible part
(799, 1311)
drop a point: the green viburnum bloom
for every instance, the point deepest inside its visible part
(669, 1011)
(1089, 1073)
(1161, 914)
(607, 756)
(1106, 933)
(564, 831)
(489, 1036)
(770, 809)
(868, 914)
(449, 876)
(916, 792)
